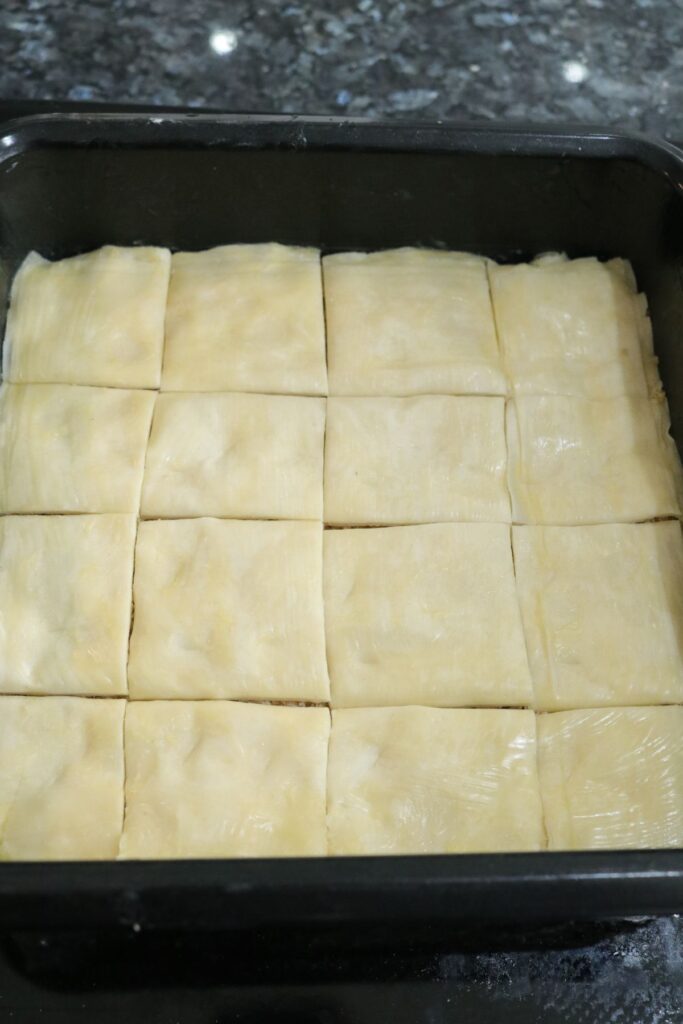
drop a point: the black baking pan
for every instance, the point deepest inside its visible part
(70, 183)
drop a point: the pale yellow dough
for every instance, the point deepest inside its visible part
(410, 321)
(580, 460)
(427, 780)
(72, 449)
(226, 608)
(602, 608)
(220, 779)
(61, 778)
(424, 615)
(612, 779)
(430, 458)
(91, 319)
(573, 327)
(65, 603)
(246, 456)
(246, 318)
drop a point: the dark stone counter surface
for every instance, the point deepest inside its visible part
(610, 61)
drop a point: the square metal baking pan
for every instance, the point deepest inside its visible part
(70, 183)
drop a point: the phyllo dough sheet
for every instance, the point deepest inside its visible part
(410, 321)
(246, 318)
(91, 319)
(190, 523)
(573, 327)
(429, 458)
(65, 603)
(424, 615)
(582, 460)
(242, 456)
(61, 778)
(612, 779)
(228, 608)
(433, 780)
(602, 608)
(220, 779)
(65, 448)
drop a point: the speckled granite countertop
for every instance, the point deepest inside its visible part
(610, 61)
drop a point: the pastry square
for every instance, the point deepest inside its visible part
(579, 460)
(228, 608)
(245, 456)
(408, 322)
(427, 780)
(602, 609)
(424, 615)
(425, 459)
(573, 327)
(61, 778)
(612, 778)
(65, 603)
(91, 319)
(72, 449)
(246, 318)
(221, 779)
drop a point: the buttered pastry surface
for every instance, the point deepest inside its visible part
(363, 553)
